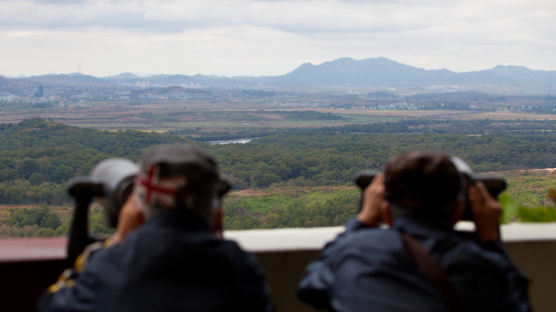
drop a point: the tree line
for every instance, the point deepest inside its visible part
(311, 159)
(38, 157)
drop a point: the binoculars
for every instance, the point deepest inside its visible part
(493, 183)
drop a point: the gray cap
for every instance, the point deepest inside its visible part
(185, 160)
(165, 171)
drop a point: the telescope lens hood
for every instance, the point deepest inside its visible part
(117, 176)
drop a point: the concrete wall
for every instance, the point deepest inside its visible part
(537, 259)
(284, 254)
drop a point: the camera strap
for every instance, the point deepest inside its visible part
(434, 273)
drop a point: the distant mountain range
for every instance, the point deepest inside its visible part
(367, 75)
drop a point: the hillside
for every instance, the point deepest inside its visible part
(40, 151)
(384, 73)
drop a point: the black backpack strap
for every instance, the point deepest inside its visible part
(434, 273)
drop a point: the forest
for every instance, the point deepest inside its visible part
(38, 157)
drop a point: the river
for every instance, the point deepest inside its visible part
(234, 141)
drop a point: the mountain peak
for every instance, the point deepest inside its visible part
(342, 60)
(510, 68)
(306, 65)
(347, 71)
(122, 77)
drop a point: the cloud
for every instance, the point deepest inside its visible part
(303, 17)
(271, 37)
(69, 15)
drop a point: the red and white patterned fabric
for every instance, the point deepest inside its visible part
(151, 189)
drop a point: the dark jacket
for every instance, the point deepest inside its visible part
(369, 269)
(169, 264)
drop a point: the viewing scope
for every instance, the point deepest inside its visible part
(109, 185)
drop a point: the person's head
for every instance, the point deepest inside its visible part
(422, 185)
(179, 177)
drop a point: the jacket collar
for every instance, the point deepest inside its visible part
(183, 219)
(423, 227)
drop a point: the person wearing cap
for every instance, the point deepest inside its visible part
(168, 253)
(419, 263)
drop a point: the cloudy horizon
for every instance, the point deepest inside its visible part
(270, 37)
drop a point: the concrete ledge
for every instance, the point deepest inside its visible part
(282, 240)
(29, 249)
(293, 239)
(528, 232)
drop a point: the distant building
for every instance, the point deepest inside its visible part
(40, 92)
(10, 98)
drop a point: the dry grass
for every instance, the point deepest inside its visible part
(8, 207)
(287, 190)
(5, 209)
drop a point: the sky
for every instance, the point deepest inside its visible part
(270, 37)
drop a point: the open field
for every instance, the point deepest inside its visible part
(245, 113)
(293, 191)
(530, 187)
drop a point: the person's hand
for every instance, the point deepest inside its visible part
(218, 227)
(486, 213)
(373, 202)
(130, 218)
